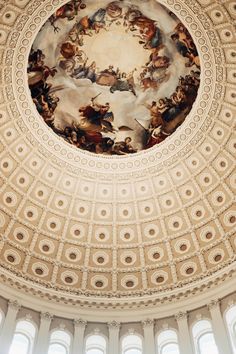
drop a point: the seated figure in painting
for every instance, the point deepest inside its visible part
(155, 71)
(85, 72)
(68, 11)
(126, 83)
(114, 10)
(148, 31)
(156, 117)
(156, 136)
(105, 146)
(80, 29)
(185, 37)
(86, 25)
(107, 77)
(160, 62)
(74, 62)
(156, 53)
(71, 57)
(97, 20)
(181, 46)
(185, 45)
(68, 50)
(38, 71)
(123, 147)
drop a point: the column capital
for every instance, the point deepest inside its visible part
(182, 315)
(14, 305)
(147, 323)
(79, 322)
(113, 325)
(46, 316)
(213, 304)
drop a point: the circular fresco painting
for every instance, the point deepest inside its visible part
(113, 78)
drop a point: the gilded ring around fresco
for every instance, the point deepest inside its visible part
(113, 78)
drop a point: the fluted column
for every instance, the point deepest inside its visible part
(114, 343)
(185, 343)
(9, 325)
(78, 340)
(42, 341)
(221, 336)
(149, 340)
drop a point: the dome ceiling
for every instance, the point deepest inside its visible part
(98, 228)
(113, 78)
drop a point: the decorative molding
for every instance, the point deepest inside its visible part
(80, 323)
(181, 316)
(46, 317)
(213, 304)
(14, 305)
(113, 325)
(166, 310)
(148, 323)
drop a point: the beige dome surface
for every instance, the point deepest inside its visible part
(98, 230)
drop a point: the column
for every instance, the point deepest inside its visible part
(114, 342)
(78, 340)
(149, 340)
(9, 325)
(185, 343)
(42, 341)
(221, 336)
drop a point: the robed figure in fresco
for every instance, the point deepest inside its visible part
(96, 117)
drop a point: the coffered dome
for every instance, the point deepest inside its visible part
(104, 230)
